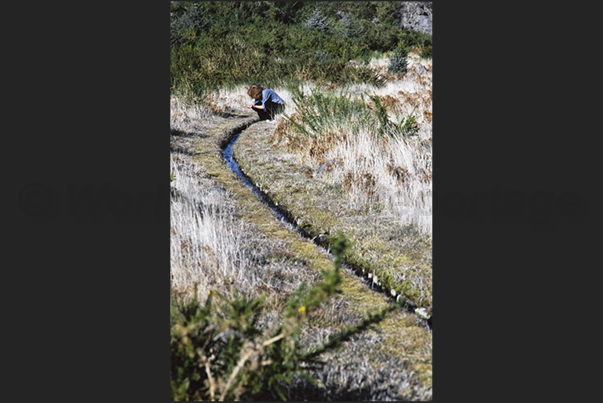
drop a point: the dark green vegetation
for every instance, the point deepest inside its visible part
(334, 338)
(223, 44)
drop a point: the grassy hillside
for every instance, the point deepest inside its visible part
(258, 312)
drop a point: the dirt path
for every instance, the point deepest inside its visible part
(396, 357)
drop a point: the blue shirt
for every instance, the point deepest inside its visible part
(269, 96)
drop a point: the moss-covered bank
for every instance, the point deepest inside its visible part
(401, 337)
(395, 258)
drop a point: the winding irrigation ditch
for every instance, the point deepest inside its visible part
(391, 361)
(287, 219)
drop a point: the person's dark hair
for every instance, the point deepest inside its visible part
(255, 91)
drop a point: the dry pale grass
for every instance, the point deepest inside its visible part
(213, 248)
(410, 92)
(236, 98)
(184, 116)
(390, 174)
(224, 101)
(205, 240)
(379, 172)
(393, 174)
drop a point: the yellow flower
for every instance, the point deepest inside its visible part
(302, 309)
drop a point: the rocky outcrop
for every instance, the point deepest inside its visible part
(417, 16)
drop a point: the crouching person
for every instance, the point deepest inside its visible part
(266, 102)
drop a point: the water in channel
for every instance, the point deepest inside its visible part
(234, 167)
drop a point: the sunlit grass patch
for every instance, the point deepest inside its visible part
(377, 148)
(277, 269)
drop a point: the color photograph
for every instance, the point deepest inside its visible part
(301, 201)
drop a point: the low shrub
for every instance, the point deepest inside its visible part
(224, 44)
(398, 63)
(426, 52)
(318, 21)
(319, 114)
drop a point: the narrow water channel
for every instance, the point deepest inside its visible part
(234, 167)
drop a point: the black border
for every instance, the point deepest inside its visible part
(87, 101)
(512, 297)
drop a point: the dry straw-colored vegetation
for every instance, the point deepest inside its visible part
(376, 171)
(256, 307)
(334, 164)
(217, 247)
